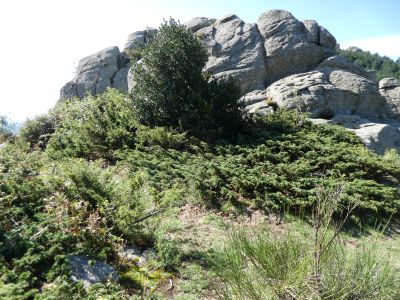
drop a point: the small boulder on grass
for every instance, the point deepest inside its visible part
(90, 271)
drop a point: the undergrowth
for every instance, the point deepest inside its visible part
(88, 178)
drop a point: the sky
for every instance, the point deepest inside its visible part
(42, 41)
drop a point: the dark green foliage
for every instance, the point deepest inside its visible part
(169, 79)
(223, 115)
(49, 210)
(38, 130)
(6, 129)
(383, 65)
(92, 128)
(276, 168)
(171, 90)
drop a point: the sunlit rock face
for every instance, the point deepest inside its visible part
(254, 54)
(292, 46)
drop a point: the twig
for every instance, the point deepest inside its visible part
(171, 285)
(148, 216)
(39, 232)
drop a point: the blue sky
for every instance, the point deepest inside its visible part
(43, 40)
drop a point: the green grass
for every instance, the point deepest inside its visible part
(262, 265)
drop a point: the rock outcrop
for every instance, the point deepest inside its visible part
(254, 54)
(235, 49)
(96, 73)
(291, 46)
(376, 136)
(198, 23)
(390, 90)
(139, 39)
(334, 87)
(277, 62)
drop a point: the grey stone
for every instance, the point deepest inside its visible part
(68, 91)
(287, 45)
(349, 121)
(260, 108)
(389, 83)
(319, 121)
(389, 88)
(94, 74)
(131, 253)
(326, 39)
(253, 97)
(120, 80)
(138, 39)
(312, 33)
(198, 23)
(326, 92)
(379, 137)
(82, 270)
(146, 256)
(339, 62)
(235, 49)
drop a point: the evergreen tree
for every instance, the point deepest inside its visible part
(169, 80)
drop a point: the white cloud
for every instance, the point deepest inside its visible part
(388, 45)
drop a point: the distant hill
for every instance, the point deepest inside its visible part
(383, 65)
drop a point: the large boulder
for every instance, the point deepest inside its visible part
(339, 62)
(378, 137)
(96, 73)
(390, 90)
(291, 46)
(333, 88)
(326, 39)
(235, 49)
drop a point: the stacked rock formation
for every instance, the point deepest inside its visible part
(279, 61)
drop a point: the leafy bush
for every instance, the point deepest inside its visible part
(94, 127)
(6, 129)
(169, 79)
(171, 90)
(38, 130)
(224, 115)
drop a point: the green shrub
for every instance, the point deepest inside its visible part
(38, 131)
(224, 116)
(171, 90)
(49, 210)
(94, 127)
(169, 79)
(6, 129)
(276, 168)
